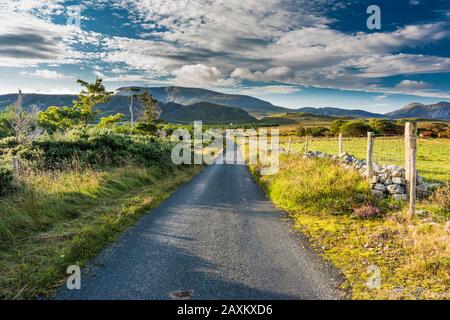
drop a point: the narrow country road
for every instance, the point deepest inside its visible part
(217, 237)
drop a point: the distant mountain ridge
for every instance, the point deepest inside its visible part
(209, 113)
(221, 104)
(337, 112)
(438, 111)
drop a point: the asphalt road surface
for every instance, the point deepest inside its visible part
(217, 237)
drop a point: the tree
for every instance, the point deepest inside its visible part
(150, 108)
(355, 128)
(107, 122)
(24, 124)
(59, 118)
(131, 105)
(89, 98)
(336, 126)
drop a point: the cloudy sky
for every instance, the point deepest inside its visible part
(294, 53)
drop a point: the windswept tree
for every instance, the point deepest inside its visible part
(150, 108)
(133, 94)
(23, 123)
(150, 113)
(89, 98)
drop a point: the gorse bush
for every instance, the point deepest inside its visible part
(6, 180)
(95, 149)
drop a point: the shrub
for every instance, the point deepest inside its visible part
(336, 126)
(6, 180)
(301, 131)
(441, 197)
(382, 126)
(86, 148)
(367, 212)
(355, 128)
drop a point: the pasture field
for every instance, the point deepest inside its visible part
(433, 155)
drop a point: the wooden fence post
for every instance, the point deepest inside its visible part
(410, 165)
(369, 155)
(341, 147)
(306, 145)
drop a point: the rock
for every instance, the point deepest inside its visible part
(397, 180)
(398, 174)
(395, 188)
(388, 181)
(374, 180)
(400, 196)
(380, 187)
(377, 193)
(421, 213)
(347, 159)
(419, 180)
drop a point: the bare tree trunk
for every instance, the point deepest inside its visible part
(131, 113)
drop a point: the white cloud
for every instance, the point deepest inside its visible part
(220, 43)
(275, 89)
(412, 85)
(198, 74)
(272, 74)
(46, 74)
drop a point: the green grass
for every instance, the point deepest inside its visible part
(60, 219)
(413, 255)
(432, 154)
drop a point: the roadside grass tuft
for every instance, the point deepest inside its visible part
(59, 219)
(413, 254)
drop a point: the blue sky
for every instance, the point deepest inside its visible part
(293, 53)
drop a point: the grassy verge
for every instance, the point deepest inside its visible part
(61, 219)
(432, 154)
(412, 255)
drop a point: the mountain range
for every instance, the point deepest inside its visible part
(179, 104)
(440, 110)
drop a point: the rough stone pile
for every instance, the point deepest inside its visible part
(387, 180)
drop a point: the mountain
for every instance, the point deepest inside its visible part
(189, 96)
(437, 111)
(209, 113)
(336, 112)
(300, 118)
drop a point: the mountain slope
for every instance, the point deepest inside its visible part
(207, 112)
(438, 111)
(336, 112)
(189, 96)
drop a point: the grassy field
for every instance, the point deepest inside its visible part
(59, 219)
(432, 154)
(413, 256)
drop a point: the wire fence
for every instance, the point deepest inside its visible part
(389, 153)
